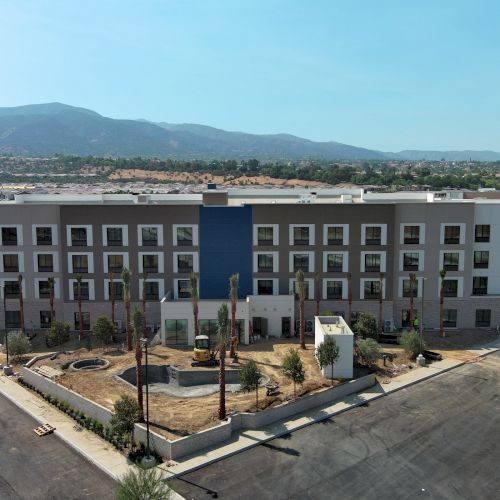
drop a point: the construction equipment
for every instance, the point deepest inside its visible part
(202, 355)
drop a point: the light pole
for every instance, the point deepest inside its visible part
(2, 286)
(422, 319)
(148, 460)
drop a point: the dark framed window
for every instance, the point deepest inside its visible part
(45, 319)
(115, 288)
(483, 318)
(450, 318)
(480, 285)
(11, 289)
(335, 236)
(405, 317)
(373, 235)
(482, 233)
(411, 235)
(301, 262)
(296, 290)
(372, 289)
(407, 288)
(451, 261)
(11, 263)
(185, 263)
(115, 263)
(265, 236)
(84, 290)
(80, 263)
(149, 236)
(152, 290)
(334, 262)
(79, 236)
(185, 236)
(301, 235)
(85, 320)
(45, 263)
(481, 259)
(333, 289)
(176, 331)
(450, 288)
(265, 263)
(13, 320)
(43, 235)
(44, 289)
(9, 236)
(183, 289)
(209, 327)
(410, 261)
(150, 263)
(372, 262)
(451, 235)
(264, 287)
(114, 236)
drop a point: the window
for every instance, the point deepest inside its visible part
(185, 236)
(373, 235)
(80, 263)
(265, 236)
(333, 290)
(306, 289)
(410, 261)
(482, 233)
(450, 288)
(183, 289)
(483, 318)
(405, 317)
(45, 319)
(79, 236)
(265, 263)
(45, 262)
(411, 235)
(481, 259)
(185, 263)
(451, 261)
(150, 263)
(9, 236)
(480, 285)
(43, 236)
(450, 318)
(84, 290)
(210, 328)
(115, 289)
(372, 289)
(13, 320)
(335, 236)
(264, 287)
(176, 331)
(11, 263)
(11, 289)
(451, 235)
(114, 236)
(334, 262)
(407, 288)
(152, 290)
(372, 262)
(115, 263)
(149, 236)
(43, 289)
(301, 235)
(85, 321)
(301, 262)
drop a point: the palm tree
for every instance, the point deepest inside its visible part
(51, 298)
(349, 298)
(301, 291)
(112, 297)
(233, 295)
(442, 275)
(317, 291)
(413, 280)
(126, 298)
(222, 316)
(381, 304)
(144, 290)
(193, 291)
(21, 301)
(79, 299)
(138, 320)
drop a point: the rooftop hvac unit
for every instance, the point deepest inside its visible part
(388, 325)
(143, 198)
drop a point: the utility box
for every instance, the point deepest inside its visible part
(337, 328)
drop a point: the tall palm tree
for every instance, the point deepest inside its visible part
(51, 299)
(137, 320)
(193, 291)
(112, 297)
(301, 291)
(317, 291)
(442, 275)
(79, 299)
(381, 305)
(21, 301)
(233, 295)
(222, 317)
(349, 299)
(144, 290)
(126, 298)
(413, 280)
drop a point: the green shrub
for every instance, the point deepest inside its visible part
(19, 344)
(410, 342)
(143, 483)
(367, 351)
(59, 332)
(366, 326)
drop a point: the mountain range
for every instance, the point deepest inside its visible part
(48, 129)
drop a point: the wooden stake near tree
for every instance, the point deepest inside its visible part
(250, 377)
(293, 369)
(21, 302)
(301, 292)
(442, 275)
(222, 338)
(193, 291)
(233, 295)
(126, 298)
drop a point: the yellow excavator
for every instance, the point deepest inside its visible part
(202, 355)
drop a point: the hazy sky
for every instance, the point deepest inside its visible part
(382, 74)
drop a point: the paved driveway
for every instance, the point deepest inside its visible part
(439, 439)
(42, 468)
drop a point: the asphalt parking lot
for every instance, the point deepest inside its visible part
(43, 468)
(438, 439)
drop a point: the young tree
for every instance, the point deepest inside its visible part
(126, 298)
(301, 292)
(293, 369)
(411, 341)
(327, 353)
(442, 275)
(233, 295)
(51, 298)
(381, 305)
(349, 299)
(222, 318)
(250, 377)
(112, 297)
(413, 280)
(19, 345)
(141, 484)
(366, 326)
(193, 292)
(317, 291)
(367, 351)
(79, 299)
(138, 328)
(127, 413)
(21, 302)
(103, 329)
(59, 332)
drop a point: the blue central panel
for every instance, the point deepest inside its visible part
(225, 249)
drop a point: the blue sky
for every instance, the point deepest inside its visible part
(389, 75)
